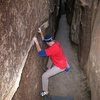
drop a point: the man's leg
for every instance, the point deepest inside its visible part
(51, 72)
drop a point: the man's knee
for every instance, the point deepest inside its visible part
(44, 76)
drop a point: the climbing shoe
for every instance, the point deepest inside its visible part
(68, 68)
(43, 93)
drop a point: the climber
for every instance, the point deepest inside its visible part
(59, 60)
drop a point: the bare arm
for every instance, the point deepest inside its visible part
(37, 44)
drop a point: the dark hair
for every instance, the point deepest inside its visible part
(48, 38)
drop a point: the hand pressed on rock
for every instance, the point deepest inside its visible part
(39, 30)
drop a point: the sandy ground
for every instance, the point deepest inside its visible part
(72, 83)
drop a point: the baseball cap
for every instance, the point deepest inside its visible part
(48, 38)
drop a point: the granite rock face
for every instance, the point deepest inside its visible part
(19, 22)
(92, 66)
(69, 10)
(85, 31)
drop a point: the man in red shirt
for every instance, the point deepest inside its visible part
(57, 56)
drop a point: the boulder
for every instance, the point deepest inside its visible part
(20, 65)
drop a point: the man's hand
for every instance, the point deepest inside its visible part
(35, 39)
(40, 30)
(41, 33)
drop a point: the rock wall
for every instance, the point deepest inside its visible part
(85, 32)
(69, 10)
(19, 22)
(92, 66)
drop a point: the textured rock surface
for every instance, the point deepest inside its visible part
(75, 25)
(19, 21)
(93, 65)
(30, 83)
(69, 10)
(85, 32)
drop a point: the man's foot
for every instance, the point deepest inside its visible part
(68, 69)
(43, 93)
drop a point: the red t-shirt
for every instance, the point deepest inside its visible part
(57, 56)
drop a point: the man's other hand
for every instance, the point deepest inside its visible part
(39, 30)
(35, 39)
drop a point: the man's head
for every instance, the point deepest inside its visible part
(49, 40)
